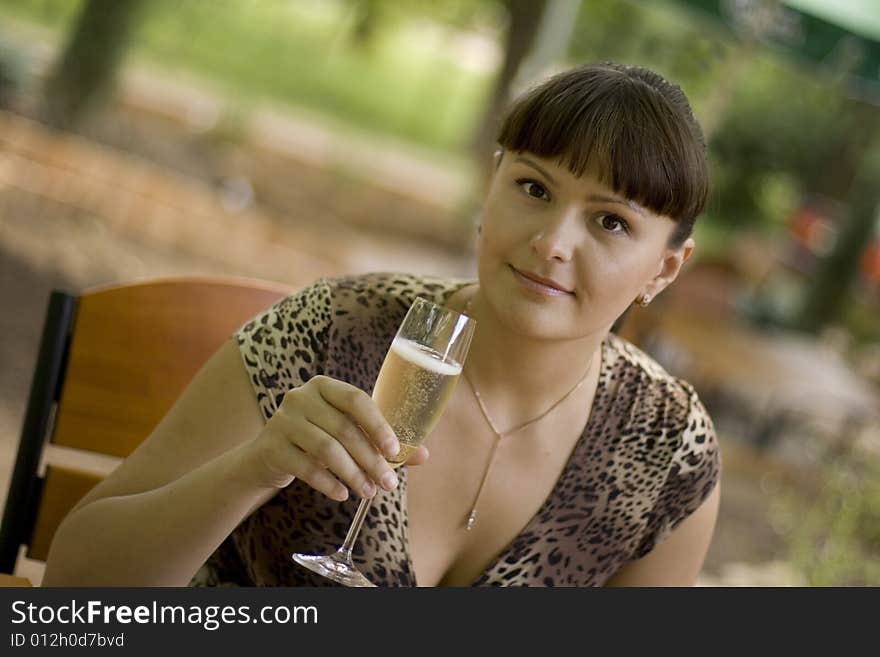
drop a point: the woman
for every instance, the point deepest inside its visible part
(565, 456)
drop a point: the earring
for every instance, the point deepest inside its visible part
(643, 300)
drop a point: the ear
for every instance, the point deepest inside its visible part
(669, 268)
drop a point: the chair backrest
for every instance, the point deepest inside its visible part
(111, 363)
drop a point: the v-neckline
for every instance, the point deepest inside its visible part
(581, 443)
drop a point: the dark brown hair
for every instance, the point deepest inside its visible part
(628, 126)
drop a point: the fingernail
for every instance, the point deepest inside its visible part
(389, 480)
(369, 489)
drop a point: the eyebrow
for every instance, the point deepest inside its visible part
(537, 167)
(632, 205)
(599, 198)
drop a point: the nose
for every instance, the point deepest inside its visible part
(556, 240)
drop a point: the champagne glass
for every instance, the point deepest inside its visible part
(416, 381)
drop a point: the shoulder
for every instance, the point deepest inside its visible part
(666, 434)
(661, 405)
(376, 289)
(329, 297)
(625, 355)
(285, 315)
(370, 307)
(637, 376)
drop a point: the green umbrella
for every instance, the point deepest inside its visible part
(841, 37)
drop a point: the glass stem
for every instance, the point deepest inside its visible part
(355, 528)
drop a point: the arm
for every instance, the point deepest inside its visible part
(678, 559)
(211, 462)
(169, 505)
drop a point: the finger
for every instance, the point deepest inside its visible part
(361, 408)
(320, 478)
(328, 450)
(356, 443)
(419, 456)
(285, 456)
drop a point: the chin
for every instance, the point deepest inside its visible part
(522, 319)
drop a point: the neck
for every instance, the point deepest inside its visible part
(518, 376)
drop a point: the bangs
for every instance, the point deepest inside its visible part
(620, 129)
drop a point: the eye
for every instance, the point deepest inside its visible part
(534, 189)
(613, 224)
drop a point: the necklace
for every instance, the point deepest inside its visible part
(472, 516)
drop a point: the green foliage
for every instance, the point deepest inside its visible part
(299, 54)
(834, 540)
(779, 122)
(52, 13)
(462, 14)
(863, 321)
(407, 84)
(657, 35)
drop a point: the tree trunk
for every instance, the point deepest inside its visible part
(525, 19)
(551, 42)
(366, 19)
(85, 70)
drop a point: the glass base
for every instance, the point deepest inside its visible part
(337, 566)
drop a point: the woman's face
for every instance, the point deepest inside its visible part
(598, 250)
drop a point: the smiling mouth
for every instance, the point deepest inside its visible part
(540, 285)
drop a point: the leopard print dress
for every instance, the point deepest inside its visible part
(647, 458)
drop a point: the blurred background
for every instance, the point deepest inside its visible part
(293, 139)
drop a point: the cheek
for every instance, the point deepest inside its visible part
(614, 272)
(502, 227)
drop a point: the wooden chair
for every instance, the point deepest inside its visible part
(111, 363)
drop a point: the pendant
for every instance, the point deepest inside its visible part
(471, 518)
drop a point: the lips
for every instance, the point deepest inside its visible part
(548, 283)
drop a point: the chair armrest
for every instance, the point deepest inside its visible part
(12, 580)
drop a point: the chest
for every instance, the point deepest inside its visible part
(441, 494)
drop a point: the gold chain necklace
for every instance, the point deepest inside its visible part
(503, 434)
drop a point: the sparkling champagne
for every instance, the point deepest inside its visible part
(413, 387)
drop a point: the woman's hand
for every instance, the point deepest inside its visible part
(326, 432)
